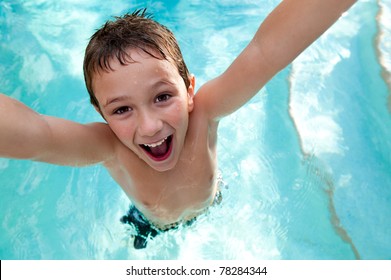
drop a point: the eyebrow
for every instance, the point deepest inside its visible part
(126, 97)
(115, 99)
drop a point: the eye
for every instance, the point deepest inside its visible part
(162, 97)
(122, 110)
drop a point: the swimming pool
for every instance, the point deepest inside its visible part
(306, 163)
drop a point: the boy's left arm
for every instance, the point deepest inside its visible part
(289, 29)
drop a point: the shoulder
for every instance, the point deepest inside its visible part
(202, 114)
(202, 124)
(107, 142)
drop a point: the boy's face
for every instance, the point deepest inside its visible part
(147, 105)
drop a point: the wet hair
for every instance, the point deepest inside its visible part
(131, 31)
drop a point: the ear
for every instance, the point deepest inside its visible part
(190, 93)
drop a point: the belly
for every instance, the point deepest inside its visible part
(178, 206)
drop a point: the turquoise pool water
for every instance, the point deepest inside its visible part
(306, 163)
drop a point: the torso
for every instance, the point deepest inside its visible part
(181, 193)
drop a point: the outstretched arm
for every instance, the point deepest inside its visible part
(289, 29)
(25, 134)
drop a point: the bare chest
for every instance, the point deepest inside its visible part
(177, 194)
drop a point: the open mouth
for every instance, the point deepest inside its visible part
(159, 151)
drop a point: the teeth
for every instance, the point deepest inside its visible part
(156, 144)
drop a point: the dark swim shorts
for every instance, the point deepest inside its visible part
(143, 227)
(145, 230)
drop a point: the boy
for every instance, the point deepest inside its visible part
(160, 139)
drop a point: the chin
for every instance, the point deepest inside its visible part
(164, 166)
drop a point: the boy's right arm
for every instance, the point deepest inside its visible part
(25, 134)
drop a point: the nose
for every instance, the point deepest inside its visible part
(149, 124)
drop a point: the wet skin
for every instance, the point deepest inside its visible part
(165, 155)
